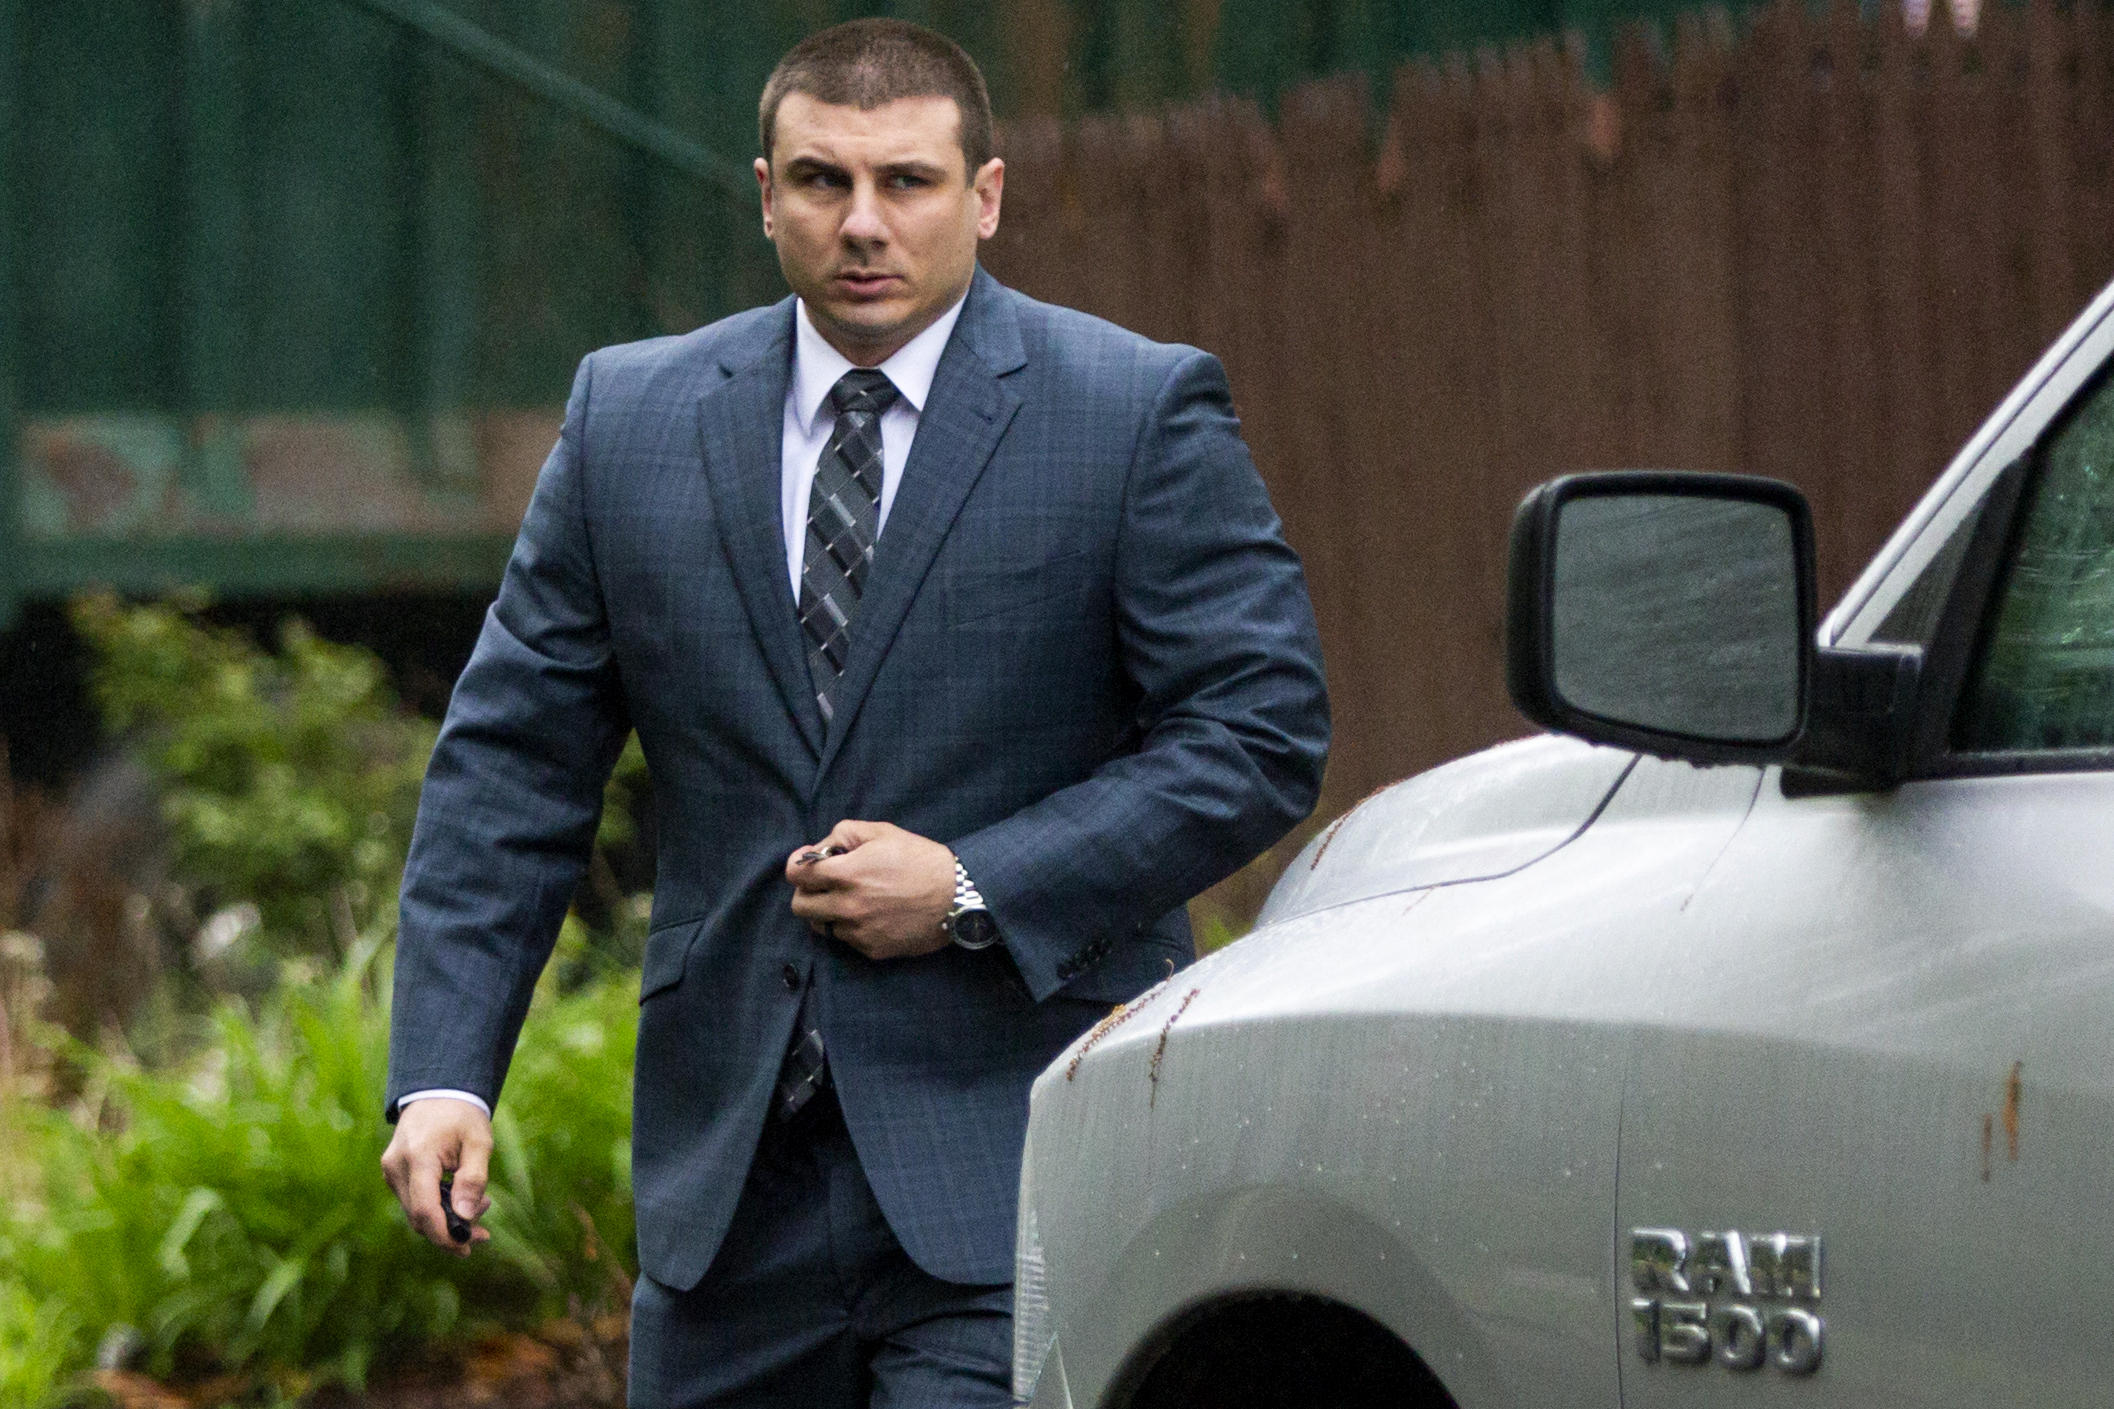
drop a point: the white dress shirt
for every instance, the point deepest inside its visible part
(809, 419)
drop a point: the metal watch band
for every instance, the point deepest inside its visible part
(965, 892)
(969, 901)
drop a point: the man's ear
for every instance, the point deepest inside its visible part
(763, 186)
(990, 187)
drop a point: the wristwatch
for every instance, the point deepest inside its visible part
(969, 924)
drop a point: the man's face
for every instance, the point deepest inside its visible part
(876, 216)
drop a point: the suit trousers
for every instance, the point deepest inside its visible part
(812, 1302)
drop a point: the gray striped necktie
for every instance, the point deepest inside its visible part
(843, 520)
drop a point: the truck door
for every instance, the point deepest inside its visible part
(1867, 1149)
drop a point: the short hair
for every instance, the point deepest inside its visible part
(866, 63)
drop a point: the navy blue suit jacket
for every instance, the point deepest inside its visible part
(1085, 661)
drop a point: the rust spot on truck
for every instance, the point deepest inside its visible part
(2013, 1087)
(1328, 837)
(1153, 1073)
(1337, 825)
(1117, 1016)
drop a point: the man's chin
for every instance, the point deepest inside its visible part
(879, 323)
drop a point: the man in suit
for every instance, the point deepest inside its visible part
(964, 648)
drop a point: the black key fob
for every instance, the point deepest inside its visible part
(458, 1229)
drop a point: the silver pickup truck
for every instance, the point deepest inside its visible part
(1747, 1039)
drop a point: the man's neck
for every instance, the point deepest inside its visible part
(867, 354)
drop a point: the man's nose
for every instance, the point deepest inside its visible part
(864, 223)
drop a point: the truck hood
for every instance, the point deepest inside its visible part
(1476, 818)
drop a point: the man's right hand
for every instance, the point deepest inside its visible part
(435, 1135)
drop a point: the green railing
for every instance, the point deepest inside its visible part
(561, 90)
(290, 290)
(10, 341)
(260, 259)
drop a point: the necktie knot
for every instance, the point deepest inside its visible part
(863, 389)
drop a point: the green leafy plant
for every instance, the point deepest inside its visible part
(233, 1212)
(222, 1205)
(38, 1342)
(289, 780)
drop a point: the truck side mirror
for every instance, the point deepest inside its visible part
(1667, 612)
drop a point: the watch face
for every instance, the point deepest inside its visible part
(975, 929)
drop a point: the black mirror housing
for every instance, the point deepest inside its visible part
(1662, 611)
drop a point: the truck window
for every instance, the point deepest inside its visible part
(2045, 676)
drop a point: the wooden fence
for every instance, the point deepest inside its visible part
(1822, 251)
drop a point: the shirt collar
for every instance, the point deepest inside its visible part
(817, 365)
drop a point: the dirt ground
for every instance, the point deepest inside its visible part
(566, 1364)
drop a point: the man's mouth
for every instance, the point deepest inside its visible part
(865, 283)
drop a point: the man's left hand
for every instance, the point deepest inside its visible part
(885, 896)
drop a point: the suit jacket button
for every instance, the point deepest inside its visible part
(791, 975)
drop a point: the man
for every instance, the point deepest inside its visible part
(964, 648)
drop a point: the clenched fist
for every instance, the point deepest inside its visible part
(886, 895)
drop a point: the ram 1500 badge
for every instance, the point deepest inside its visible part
(1707, 1298)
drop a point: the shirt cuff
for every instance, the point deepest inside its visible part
(477, 1101)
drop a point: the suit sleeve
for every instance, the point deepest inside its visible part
(512, 797)
(1218, 640)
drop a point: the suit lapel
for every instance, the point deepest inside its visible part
(965, 415)
(740, 435)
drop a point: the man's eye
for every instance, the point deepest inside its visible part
(903, 181)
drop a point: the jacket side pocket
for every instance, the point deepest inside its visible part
(667, 954)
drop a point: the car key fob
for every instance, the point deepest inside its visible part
(458, 1227)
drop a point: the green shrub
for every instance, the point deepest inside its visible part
(289, 781)
(225, 1202)
(234, 1213)
(38, 1343)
